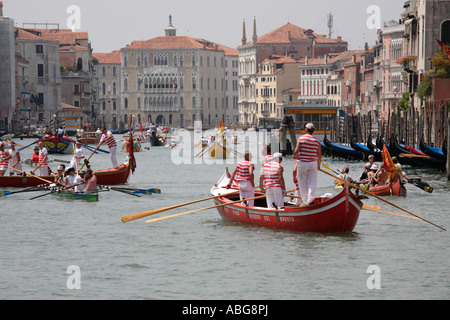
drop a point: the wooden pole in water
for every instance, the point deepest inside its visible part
(448, 144)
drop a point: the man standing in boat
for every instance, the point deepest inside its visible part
(309, 153)
(274, 182)
(78, 155)
(43, 160)
(4, 159)
(112, 145)
(244, 175)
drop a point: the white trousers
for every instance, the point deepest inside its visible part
(246, 191)
(307, 180)
(113, 157)
(43, 171)
(275, 198)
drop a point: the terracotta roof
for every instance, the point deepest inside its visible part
(332, 58)
(109, 58)
(180, 42)
(23, 34)
(293, 90)
(285, 34)
(63, 36)
(323, 39)
(281, 59)
(73, 47)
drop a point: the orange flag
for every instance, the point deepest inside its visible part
(389, 165)
(221, 127)
(444, 47)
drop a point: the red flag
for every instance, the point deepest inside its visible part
(444, 47)
(389, 165)
(140, 126)
(131, 160)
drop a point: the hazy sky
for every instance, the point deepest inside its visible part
(113, 24)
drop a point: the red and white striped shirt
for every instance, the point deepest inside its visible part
(42, 156)
(271, 177)
(243, 170)
(4, 163)
(309, 146)
(109, 139)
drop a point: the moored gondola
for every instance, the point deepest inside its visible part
(410, 156)
(433, 152)
(342, 151)
(364, 149)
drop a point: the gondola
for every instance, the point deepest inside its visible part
(439, 154)
(156, 140)
(364, 149)
(342, 151)
(373, 148)
(328, 214)
(410, 156)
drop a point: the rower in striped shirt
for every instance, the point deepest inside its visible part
(111, 143)
(309, 153)
(4, 159)
(244, 175)
(274, 182)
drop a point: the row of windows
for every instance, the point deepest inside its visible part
(162, 59)
(177, 82)
(173, 102)
(314, 71)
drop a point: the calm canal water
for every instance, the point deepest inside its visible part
(198, 256)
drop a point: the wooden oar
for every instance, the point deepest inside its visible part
(30, 174)
(139, 191)
(29, 145)
(380, 198)
(391, 213)
(411, 155)
(90, 156)
(42, 195)
(75, 157)
(364, 207)
(422, 185)
(136, 216)
(5, 193)
(211, 207)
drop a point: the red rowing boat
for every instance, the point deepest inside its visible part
(328, 214)
(396, 189)
(108, 177)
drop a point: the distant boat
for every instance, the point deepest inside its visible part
(57, 145)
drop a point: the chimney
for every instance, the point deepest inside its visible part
(326, 58)
(1, 8)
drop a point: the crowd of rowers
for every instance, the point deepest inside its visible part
(71, 178)
(373, 174)
(309, 158)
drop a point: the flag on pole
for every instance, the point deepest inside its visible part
(389, 165)
(444, 47)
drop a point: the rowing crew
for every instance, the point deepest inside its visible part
(85, 181)
(372, 175)
(309, 158)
